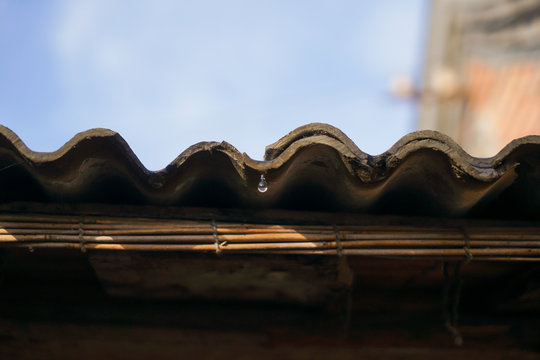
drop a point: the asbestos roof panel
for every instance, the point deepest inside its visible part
(315, 167)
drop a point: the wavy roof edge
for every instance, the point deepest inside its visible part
(314, 166)
(276, 154)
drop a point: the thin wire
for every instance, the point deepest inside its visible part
(450, 311)
(347, 312)
(216, 239)
(457, 293)
(467, 246)
(344, 271)
(339, 248)
(9, 166)
(81, 235)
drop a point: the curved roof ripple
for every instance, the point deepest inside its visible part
(315, 167)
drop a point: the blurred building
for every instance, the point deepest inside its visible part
(482, 72)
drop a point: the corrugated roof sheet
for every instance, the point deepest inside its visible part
(315, 167)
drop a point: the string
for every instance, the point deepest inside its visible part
(81, 235)
(467, 246)
(216, 239)
(450, 311)
(339, 248)
(345, 276)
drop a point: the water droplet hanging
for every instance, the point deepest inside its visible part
(263, 186)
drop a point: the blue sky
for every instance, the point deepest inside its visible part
(167, 74)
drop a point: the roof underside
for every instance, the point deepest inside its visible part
(315, 167)
(80, 226)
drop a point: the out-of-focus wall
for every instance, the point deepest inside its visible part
(483, 65)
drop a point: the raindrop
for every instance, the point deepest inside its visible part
(263, 186)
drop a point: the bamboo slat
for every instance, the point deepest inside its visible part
(140, 234)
